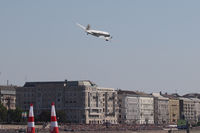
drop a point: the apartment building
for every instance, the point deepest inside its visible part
(195, 97)
(129, 112)
(188, 109)
(146, 108)
(8, 96)
(135, 107)
(174, 108)
(82, 101)
(101, 105)
(161, 111)
(196, 109)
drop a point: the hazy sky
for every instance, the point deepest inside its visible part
(155, 46)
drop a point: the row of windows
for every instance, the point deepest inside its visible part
(70, 101)
(28, 94)
(49, 89)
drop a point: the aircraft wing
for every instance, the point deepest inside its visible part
(94, 34)
(105, 38)
(81, 26)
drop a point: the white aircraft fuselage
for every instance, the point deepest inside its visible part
(97, 33)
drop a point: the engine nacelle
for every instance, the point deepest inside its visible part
(108, 38)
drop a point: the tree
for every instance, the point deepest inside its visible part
(44, 116)
(15, 115)
(61, 116)
(3, 113)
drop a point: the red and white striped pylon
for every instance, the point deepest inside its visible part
(31, 123)
(54, 123)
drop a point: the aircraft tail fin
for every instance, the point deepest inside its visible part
(88, 27)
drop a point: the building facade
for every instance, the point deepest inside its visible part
(101, 105)
(196, 109)
(174, 112)
(195, 97)
(161, 111)
(129, 112)
(135, 108)
(146, 109)
(175, 108)
(188, 110)
(8, 96)
(82, 101)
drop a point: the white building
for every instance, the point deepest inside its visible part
(8, 96)
(196, 109)
(128, 108)
(135, 108)
(146, 106)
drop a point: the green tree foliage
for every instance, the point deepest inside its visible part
(3, 113)
(61, 116)
(15, 115)
(44, 116)
(10, 115)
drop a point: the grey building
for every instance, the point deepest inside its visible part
(196, 109)
(187, 110)
(82, 101)
(161, 109)
(128, 107)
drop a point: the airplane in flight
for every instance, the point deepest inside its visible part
(97, 33)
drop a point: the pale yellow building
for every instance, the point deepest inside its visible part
(174, 108)
(174, 112)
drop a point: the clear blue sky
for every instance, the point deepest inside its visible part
(156, 44)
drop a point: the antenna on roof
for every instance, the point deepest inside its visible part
(0, 73)
(25, 78)
(176, 91)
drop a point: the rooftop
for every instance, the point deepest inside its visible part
(9, 87)
(128, 92)
(159, 96)
(60, 83)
